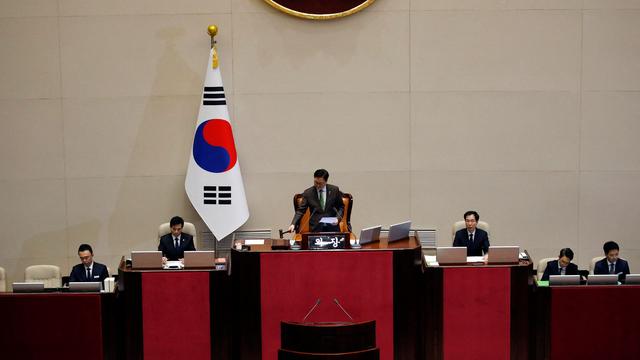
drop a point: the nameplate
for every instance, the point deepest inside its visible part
(327, 242)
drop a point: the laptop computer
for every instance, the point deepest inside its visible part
(28, 287)
(146, 259)
(199, 259)
(451, 255)
(604, 279)
(370, 234)
(564, 280)
(503, 255)
(399, 231)
(87, 286)
(632, 279)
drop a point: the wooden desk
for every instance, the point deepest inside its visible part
(587, 322)
(176, 314)
(377, 282)
(58, 326)
(477, 311)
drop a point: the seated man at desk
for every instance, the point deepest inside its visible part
(88, 270)
(323, 200)
(174, 244)
(611, 264)
(476, 240)
(562, 266)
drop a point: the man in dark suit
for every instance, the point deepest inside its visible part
(611, 264)
(562, 266)
(88, 270)
(174, 244)
(476, 240)
(322, 200)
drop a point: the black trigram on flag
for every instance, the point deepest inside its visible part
(217, 195)
(213, 95)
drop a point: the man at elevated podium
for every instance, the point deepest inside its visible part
(476, 240)
(323, 201)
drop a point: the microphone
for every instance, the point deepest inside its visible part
(311, 310)
(341, 308)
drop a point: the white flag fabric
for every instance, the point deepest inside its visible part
(214, 182)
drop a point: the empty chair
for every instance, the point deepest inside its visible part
(48, 274)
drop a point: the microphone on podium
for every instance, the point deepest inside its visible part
(341, 308)
(311, 310)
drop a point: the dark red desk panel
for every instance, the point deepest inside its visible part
(375, 283)
(588, 322)
(477, 312)
(57, 326)
(177, 314)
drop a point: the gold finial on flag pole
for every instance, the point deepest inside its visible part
(213, 31)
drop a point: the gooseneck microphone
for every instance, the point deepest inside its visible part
(341, 308)
(311, 310)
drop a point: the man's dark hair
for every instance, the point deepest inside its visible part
(610, 245)
(85, 247)
(566, 252)
(321, 173)
(176, 220)
(471, 212)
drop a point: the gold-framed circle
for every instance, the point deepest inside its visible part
(304, 15)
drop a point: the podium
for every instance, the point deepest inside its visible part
(328, 340)
(377, 282)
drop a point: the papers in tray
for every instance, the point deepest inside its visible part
(173, 265)
(475, 259)
(431, 260)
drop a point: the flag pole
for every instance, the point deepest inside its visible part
(213, 31)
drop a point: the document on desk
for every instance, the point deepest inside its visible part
(475, 259)
(431, 260)
(329, 220)
(254, 242)
(173, 265)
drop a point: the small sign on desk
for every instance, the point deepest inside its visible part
(327, 242)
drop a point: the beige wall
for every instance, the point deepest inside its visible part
(526, 110)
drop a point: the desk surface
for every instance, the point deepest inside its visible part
(411, 242)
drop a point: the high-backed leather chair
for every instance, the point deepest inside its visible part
(48, 274)
(3, 280)
(188, 228)
(459, 225)
(345, 222)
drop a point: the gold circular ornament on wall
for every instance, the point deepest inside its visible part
(320, 9)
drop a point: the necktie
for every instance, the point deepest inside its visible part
(177, 245)
(88, 273)
(470, 238)
(322, 199)
(612, 268)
